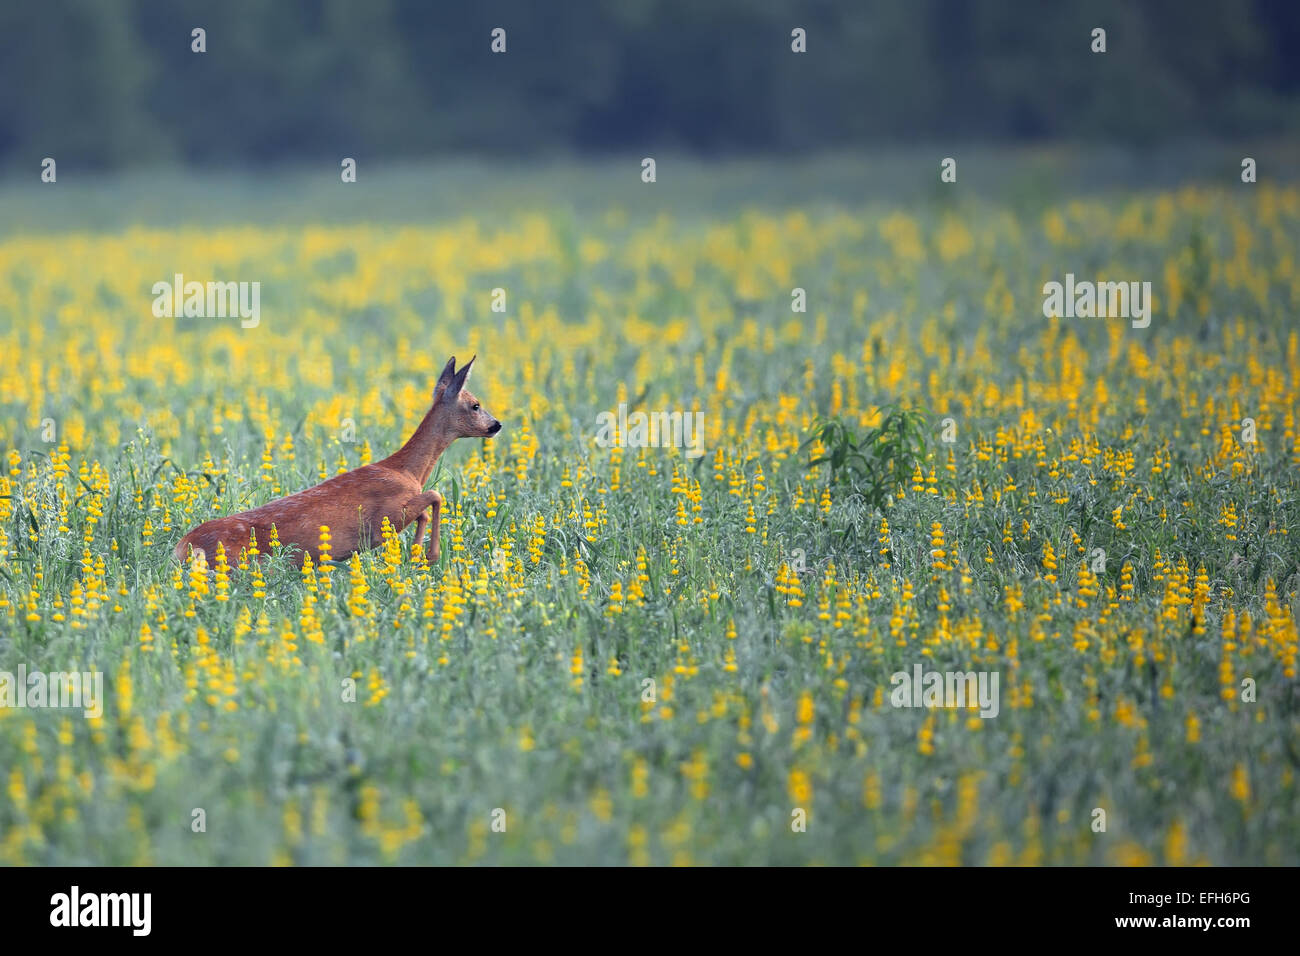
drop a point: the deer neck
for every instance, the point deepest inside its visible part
(423, 449)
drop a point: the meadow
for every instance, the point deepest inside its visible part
(630, 655)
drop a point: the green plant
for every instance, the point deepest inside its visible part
(872, 463)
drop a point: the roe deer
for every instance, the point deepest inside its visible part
(354, 505)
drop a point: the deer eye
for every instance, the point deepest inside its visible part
(476, 406)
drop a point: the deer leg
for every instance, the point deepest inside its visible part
(423, 504)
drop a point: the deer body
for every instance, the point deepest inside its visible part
(353, 505)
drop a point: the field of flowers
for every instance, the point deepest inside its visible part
(632, 655)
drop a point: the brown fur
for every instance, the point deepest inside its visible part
(353, 505)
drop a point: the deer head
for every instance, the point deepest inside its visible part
(459, 414)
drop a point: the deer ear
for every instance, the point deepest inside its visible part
(463, 375)
(458, 381)
(448, 371)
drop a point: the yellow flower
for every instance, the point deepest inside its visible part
(799, 786)
(1240, 783)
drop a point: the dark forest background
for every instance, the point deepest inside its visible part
(113, 83)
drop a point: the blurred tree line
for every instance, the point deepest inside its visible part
(105, 83)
